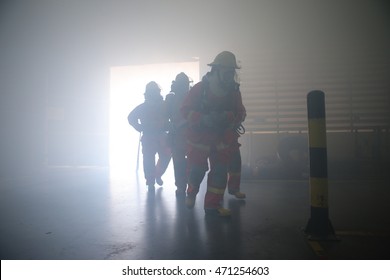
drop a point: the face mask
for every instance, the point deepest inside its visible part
(227, 79)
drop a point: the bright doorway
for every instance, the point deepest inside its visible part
(127, 85)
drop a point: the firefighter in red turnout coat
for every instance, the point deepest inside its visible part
(214, 111)
(150, 119)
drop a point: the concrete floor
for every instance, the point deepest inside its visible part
(101, 214)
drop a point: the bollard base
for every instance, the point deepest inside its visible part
(320, 230)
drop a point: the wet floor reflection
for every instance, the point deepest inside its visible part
(91, 213)
(156, 221)
(224, 234)
(171, 230)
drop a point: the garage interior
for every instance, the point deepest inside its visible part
(62, 199)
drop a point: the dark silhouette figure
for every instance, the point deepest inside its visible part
(150, 119)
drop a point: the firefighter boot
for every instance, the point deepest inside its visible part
(159, 181)
(238, 195)
(190, 201)
(180, 192)
(222, 212)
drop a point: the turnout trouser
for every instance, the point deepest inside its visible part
(198, 159)
(234, 172)
(179, 160)
(150, 147)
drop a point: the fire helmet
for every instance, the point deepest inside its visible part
(181, 84)
(152, 90)
(182, 78)
(225, 59)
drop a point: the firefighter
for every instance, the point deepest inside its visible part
(150, 119)
(177, 127)
(214, 111)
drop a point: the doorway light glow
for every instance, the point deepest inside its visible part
(127, 87)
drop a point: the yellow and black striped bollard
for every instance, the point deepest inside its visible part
(319, 226)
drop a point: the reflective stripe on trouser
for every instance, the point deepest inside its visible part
(217, 176)
(234, 172)
(216, 181)
(213, 198)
